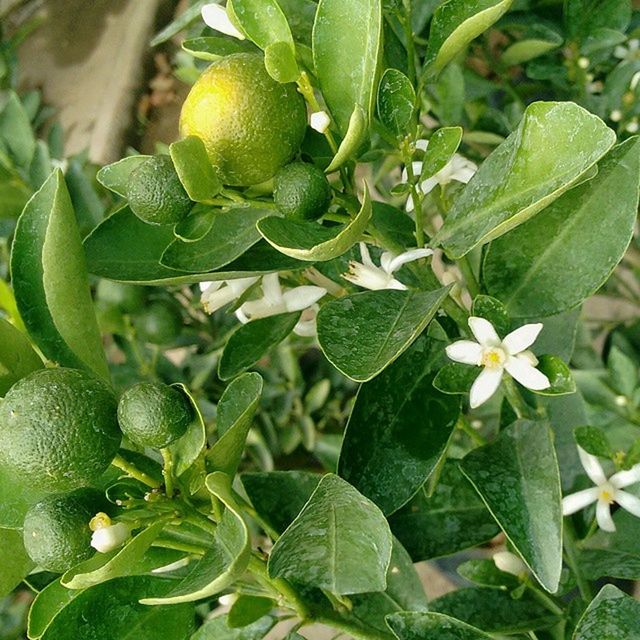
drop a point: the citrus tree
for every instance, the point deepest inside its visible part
(328, 273)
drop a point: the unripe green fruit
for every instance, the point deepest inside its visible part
(159, 323)
(152, 414)
(126, 297)
(301, 191)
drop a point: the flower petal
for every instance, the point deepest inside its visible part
(484, 386)
(428, 185)
(625, 478)
(603, 516)
(302, 297)
(579, 500)
(484, 332)
(367, 276)
(526, 375)
(522, 338)
(465, 351)
(240, 285)
(319, 121)
(272, 289)
(214, 299)
(592, 467)
(628, 502)
(408, 256)
(216, 17)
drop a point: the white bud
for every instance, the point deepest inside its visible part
(109, 538)
(228, 599)
(320, 121)
(510, 563)
(621, 401)
(634, 81)
(583, 62)
(633, 126)
(216, 17)
(616, 115)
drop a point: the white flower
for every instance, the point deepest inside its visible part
(216, 17)
(605, 493)
(510, 563)
(274, 301)
(320, 121)
(105, 539)
(496, 356)
(369, 276)
(616, 115)
(216, 295)
(458, 168)
(632, 126)
(630, 52)
(583, 62)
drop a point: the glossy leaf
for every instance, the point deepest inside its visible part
(249, 342)
(494, 611)
(235, 412)
(485, 573)
(247, 609)
(562, 382)
(61, 614)
(451, 520)
(194, 169)
(116, 176)
(552, 148)
(347, 43)
(340, 541)
(217, 628)
(230, 235)
(569, 250)
(17, 357)
(517, 477)
(442, 146)
(16, 564)
(455, 24)
(311, 241)
(435, 626)
(396, 101)
(279, 496)
(361, 334)
(225, 562)
(121, 563)
(399, 428)
(50, 280)
(264, 22)
(536, 41)
(186, 449)
(15, 499)
(352, 141)
(216, 47)
(593, 440)
(612, 615)
(456, 378)
(494, 311)
(16, 133)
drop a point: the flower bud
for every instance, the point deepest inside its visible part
(108, 538)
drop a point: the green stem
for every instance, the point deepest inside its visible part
(463, 425)
(456, 313)
(544, 599)
(469, 277)
(569, 539)
(120, 463)
(167, 471)
(163, 543)
(411, 50)
(416, 196)
(515, 399)
(352, 628)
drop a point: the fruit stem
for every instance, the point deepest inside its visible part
(167, 471)
(120, 463)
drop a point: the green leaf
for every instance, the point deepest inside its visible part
(623, 372)
(17, 357)
(612, 615)
(125, 562)
(194, 169)
(249, 342)
(552, 148)
(50, 280)
(485, 573)
(396, 101)
(562, 382)
(218, 629)
(116, 176)
(230, 235)
(15, 499)
(353, 140)
(236, 409)
(62, 614)
(216, 47)
(536, 41)
(186, 450)
(442, 146)
(453, 519)
(16, 564)
(456, 378)
(279, 496)
(340, 541)
(494, 611)
(347, 44)
(264, 22)
(225, 562)
(15, 131)
(399, 428)
(455, 24)
(569, 250)
(435, 626)
(361, 334)
(593, 440)
(311, 241)
(247, 609)
(126, 249)
(494, 311)
(517, 477)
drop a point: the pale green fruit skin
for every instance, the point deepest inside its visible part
(250, 124)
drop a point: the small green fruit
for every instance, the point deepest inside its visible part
(302, 191)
